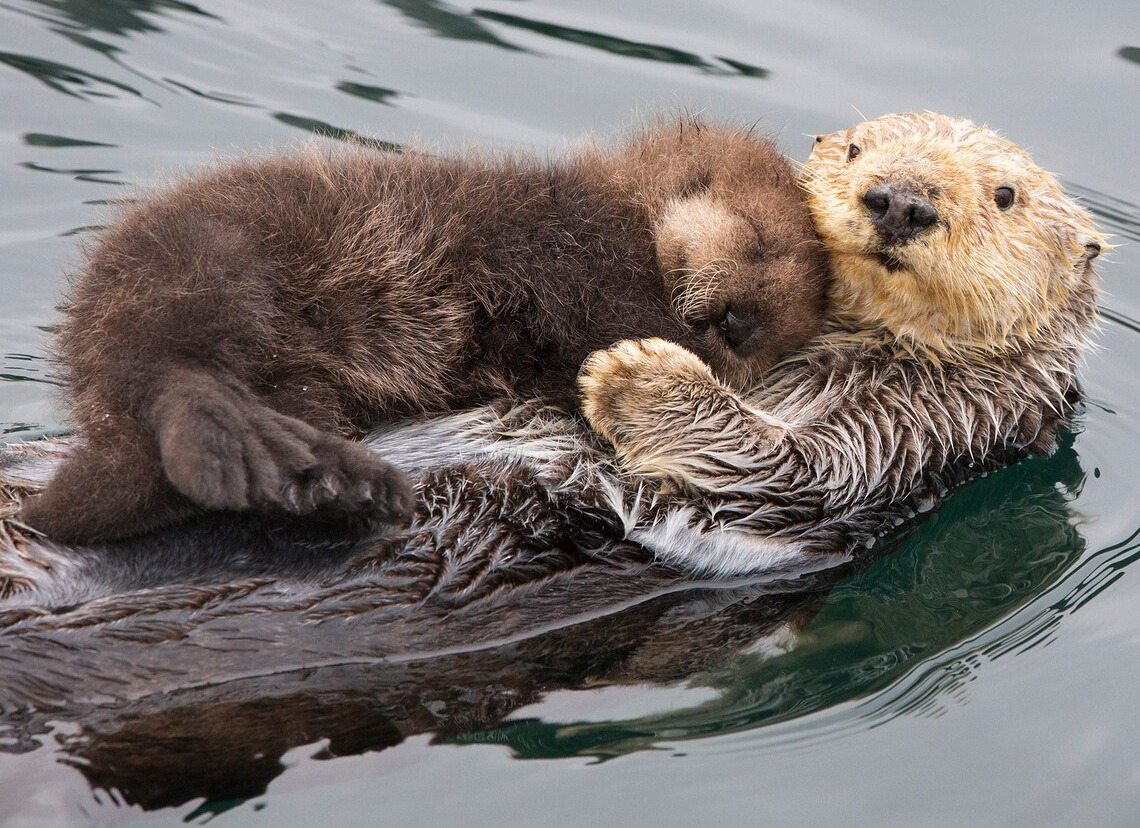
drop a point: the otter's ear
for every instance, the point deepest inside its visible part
(699, 183)
(828, 139)
(1093, 245)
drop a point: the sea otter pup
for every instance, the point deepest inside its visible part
(962, 301)
(231, 333)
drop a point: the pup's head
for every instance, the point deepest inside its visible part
(945, 234)
(737, 250)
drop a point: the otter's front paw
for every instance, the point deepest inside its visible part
(628, 388)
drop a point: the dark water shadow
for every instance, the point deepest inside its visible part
(1129, 53)
(73, 82)
(87, 23)
(323, 129)
(121, 17)
(374, 94)
(27, 368)
(43, 139)
(1118, 217)
(198, 690)
(883, 634)
(622, 47)
(444, 21)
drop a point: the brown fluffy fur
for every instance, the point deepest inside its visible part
(229, 334)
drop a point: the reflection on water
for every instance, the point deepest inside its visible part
(67, 79)
(885, 634)
(621, 47)
(1120, 218)
(121, 17)
(445, 20)
(326, 130)
(376, 94)
(890, 635)
(39, 139)
(112, 90)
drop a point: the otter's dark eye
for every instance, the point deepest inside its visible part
(853, 152)
(759, 251)
(1003, 198)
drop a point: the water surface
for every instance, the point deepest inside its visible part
(982, 674)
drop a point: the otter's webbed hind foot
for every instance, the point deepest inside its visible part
(225, 450)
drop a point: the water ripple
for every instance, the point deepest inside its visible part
(66, 79)
(1118, 216)
(43, 139)
(219, 97)
(906, 637)
(442, 21)
(117, 18)
(79, 174)
(622, 47)
(327, 130)
(376, 94)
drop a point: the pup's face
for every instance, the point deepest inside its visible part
(742, 263)
(944, 233)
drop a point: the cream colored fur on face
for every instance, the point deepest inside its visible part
(982, 279)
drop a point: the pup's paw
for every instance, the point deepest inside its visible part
(348, 480)
(627, 388)
(225, 450)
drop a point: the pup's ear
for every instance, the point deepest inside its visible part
(700, 182)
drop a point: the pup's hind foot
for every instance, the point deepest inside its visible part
(225, 450)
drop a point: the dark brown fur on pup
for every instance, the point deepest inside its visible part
(227, 335)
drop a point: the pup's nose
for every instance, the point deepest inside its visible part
(736, 329)
(898, 212)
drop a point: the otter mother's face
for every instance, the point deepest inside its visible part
(741, 261)
(944, 233)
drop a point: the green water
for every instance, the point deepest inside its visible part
(982, 674)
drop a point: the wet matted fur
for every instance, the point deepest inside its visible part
(963, 299)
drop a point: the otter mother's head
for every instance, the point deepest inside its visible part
(946, 235)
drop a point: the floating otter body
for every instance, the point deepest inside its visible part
(199, 688)
(228, 335)
(892, 406)
(511, 569)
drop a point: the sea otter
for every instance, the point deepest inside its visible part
(876, 418)
(962, 302)
(230, 334)
(512, 579)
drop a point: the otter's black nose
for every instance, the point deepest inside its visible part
(898, 212)
(736, 329)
